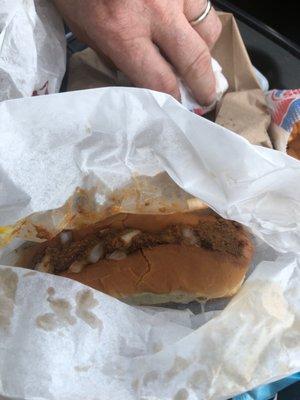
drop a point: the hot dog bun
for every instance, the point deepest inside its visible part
(173, 258)
(293, 148)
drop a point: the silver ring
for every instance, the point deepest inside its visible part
(203, 15)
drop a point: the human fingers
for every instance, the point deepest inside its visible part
(190, 55)
(210, 28)
(140, 60)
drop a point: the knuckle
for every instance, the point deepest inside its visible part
(166, 83)
(200, 62)
(162, 16)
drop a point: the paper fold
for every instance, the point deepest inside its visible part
(63, 340)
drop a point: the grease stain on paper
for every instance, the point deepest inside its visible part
(157, 347)
(274, 302)
(182, 394)
(85, 302)
(51, 291)
(47, 322)
(61, 315)
(8, 287)
(150, 377)
(62, 309)
(197, 379)
(9, 282)
(135, 384)
(179, 365)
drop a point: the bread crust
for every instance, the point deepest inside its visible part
(293, 148)
(173, 272)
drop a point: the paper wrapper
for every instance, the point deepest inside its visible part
(243, 109)
(32, 48)
(244, 102)
(284, 107)
(62, 340)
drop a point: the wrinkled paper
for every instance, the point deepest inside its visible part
(62, 340)
(244, 100)
(243, 108)
(32, 48)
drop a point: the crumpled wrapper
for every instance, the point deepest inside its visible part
(32, 48)
(284, 107)
(244, 101)
(104, 150)
(243, 108)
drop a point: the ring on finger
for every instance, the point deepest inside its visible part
(203, 15)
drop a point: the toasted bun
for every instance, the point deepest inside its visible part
(174, 272)
(294, 142)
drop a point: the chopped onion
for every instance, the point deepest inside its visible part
(189, 235)
(45, 265)
(96, 253)
(127, 237)
(117, 255)
(77, 266)
(65, 237)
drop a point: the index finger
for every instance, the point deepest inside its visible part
(190, 55)
(210, 28)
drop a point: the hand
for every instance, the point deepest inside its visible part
(130, 32)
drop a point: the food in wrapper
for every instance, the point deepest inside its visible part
(152, 259)
(71, 335)
(285, 110)
(293, 148)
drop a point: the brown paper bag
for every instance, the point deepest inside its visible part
(246, 113)
(232, 55)
(87, 70)
(243, 109)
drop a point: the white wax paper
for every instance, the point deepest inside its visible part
(62, 340)
(32, 48)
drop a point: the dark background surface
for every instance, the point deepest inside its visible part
(290, 393)
(283, 16)
(270, 31)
